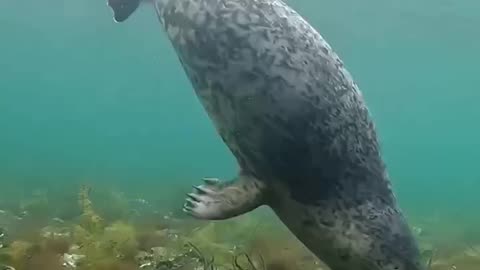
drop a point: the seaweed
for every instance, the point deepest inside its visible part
(120, 239)
(109, 238)
(43, 259)
(18, 253)
(40, 253)
(207, 264)
(91, 221)
(251, 264)
(148, 239)
(105, 246)
(210, 240)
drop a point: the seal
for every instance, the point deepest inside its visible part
(298, 125)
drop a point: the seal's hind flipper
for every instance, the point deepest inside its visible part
(122, 9)
(216, 200)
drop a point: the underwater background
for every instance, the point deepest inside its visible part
(84, 100)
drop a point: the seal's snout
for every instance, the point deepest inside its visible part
(122, 9)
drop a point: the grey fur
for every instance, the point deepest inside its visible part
(297, 124)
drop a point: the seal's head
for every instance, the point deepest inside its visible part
(122, 9)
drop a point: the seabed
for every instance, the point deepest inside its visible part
(107, 230)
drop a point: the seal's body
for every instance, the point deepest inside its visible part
(298, 126)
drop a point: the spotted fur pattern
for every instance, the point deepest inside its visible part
(293, 117)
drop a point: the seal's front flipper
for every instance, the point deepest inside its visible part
(122, 9)
(217, 200)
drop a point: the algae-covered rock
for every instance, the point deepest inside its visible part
(8, 225)
(144, 259)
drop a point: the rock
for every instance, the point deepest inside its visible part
(70, 261)
(159, 253)
(162, 258)
(56, 232)
(147, 266)
(74, 249)
(144, 257)
(2, 238)
(7, 221)
(6, 267)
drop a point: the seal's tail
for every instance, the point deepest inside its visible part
(122, 9)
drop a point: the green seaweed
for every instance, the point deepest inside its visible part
(105, 246)
(107, 238)
(90, 220)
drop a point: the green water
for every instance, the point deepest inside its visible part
(83, 98)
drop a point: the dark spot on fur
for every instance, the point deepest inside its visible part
(251, 76)
(308, 223)
(309, 89)
(345, 256)
(256, 120)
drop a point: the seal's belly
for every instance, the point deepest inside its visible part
(281, 122)
(269, 135)
(278, 95)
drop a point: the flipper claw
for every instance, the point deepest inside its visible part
(194, 197)
(190, 202)
(187, 210)
(202, 190)
(216, 201)
(211, 181)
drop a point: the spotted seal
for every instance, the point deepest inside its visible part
(296, 122)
